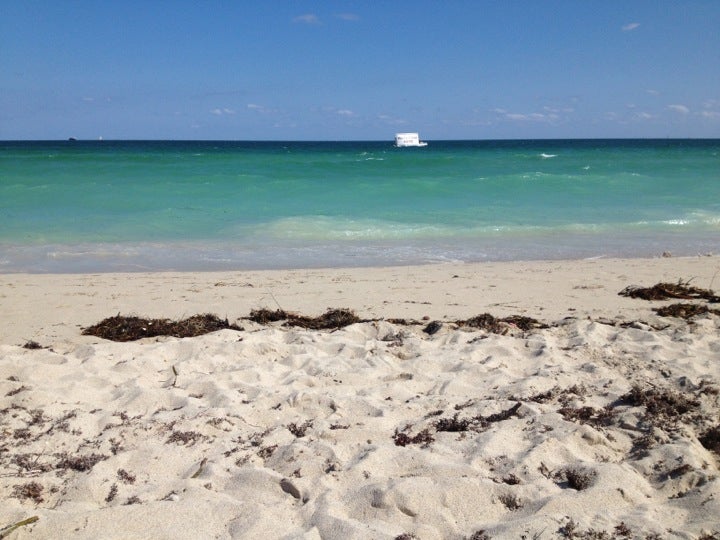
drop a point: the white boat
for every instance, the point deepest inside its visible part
(403, 140)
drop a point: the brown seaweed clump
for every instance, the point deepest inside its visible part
(710, 439)
(502, 325)
(121, 328)
(665, 291)
(332, 319)
(267, 316)
(659, 404)
(684, 310)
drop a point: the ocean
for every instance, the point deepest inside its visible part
(99, 206)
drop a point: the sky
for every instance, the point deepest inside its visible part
(359, 70)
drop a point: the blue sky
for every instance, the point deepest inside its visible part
(344, 70)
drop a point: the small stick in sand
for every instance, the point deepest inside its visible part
(10, 528)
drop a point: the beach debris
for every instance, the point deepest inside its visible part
(710, 439)
(31, 490)
(496, 325)
(332, 319)
(479, 535)
(453, 424)
(17, 390)
(122, 328)
(572, 530)
(477, 423)
(589, 415)
(79, 463)
(5, 531)
(291, 489)
(664, 291)
(186, 438)
(433, 328)
(112, 493)
(403, 439)
(267, 316)
(684, 310)
(299, 430)
(510, 501)
(659, 404)
(125, 477)
(200, 468)
(576, 478)
(32, 345)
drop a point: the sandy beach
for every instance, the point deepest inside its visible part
(600, 421)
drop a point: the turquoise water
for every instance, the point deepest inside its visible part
(100, 206)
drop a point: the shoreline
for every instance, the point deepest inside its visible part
(605, 422)
(50, 307)
(275, 253)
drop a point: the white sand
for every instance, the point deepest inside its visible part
(278, 432)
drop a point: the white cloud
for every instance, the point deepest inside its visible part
(682, 109)
(652, 92)
(529, 117)
(644, 116)
(391, 120)
(260, 108)
(308, 18)
(222, 112)
(348, 16)
(345, 112)
(711, 115)
(630, 27)
(556, 110)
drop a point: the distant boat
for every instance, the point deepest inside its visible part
(403, 140)
(72, 139)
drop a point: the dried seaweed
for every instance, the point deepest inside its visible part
(126, 477)
(485, 322)
(710, 439)
(31, 490)
(79, 463)
(496, 325)
(112, 493)
(121, 328)
(659, 403)
(403, 439)
(684, 310)
(504, 415)
(185, 437)
(510, 501)
(479, 422)
(588, 415)
(453, 424)
(665, 291)
(332, 319)
(266, 316)
(299, 430)
(576, 478)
